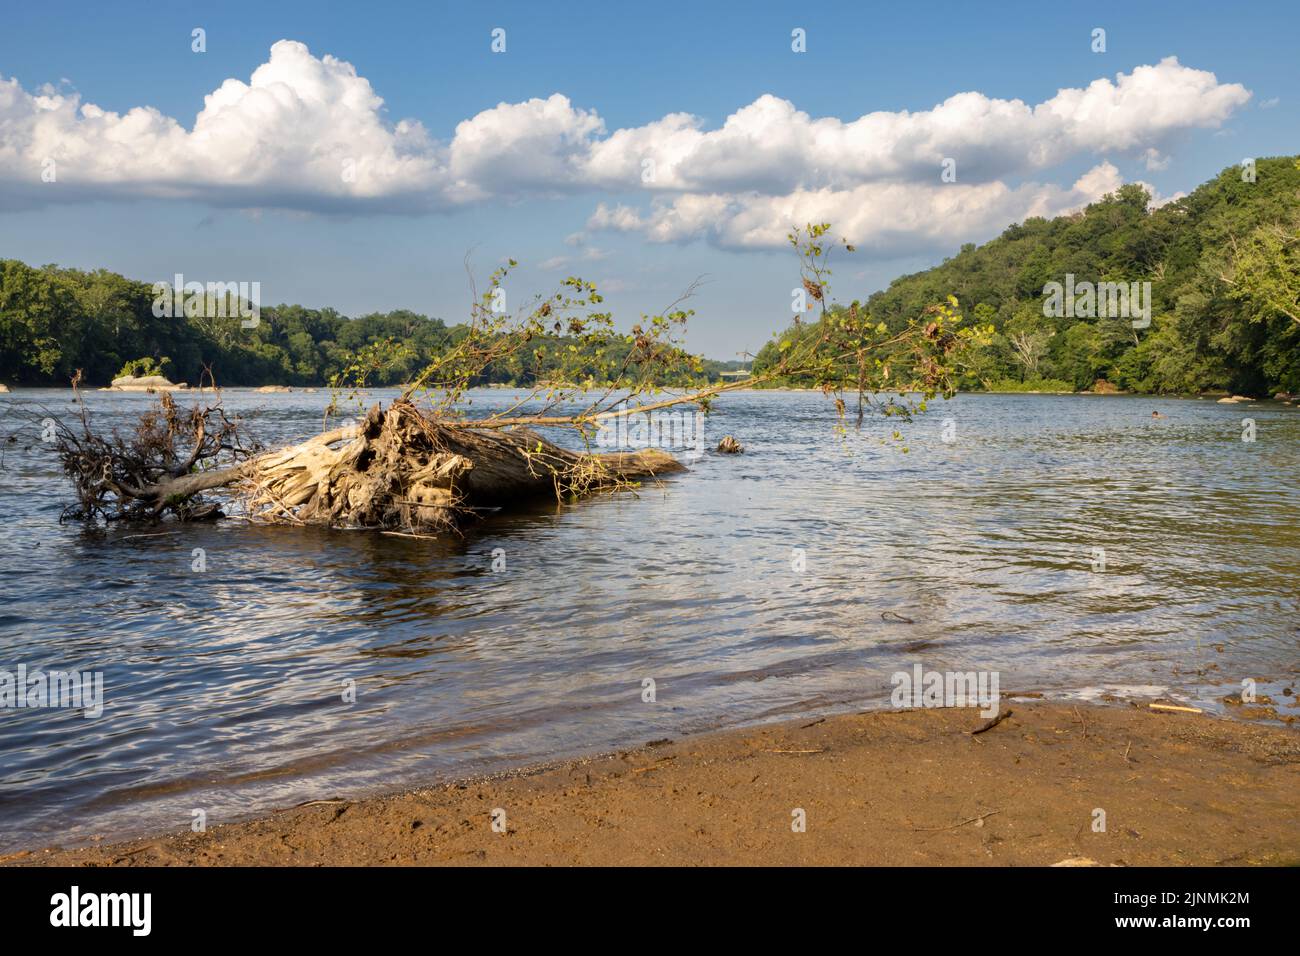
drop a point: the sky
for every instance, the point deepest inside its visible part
(360, 155)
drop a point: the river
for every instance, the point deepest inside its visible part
(793, 579)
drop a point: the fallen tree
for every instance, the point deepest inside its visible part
(417, 470)
(398, 469)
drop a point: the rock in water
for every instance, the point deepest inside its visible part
(729, 446)
(145, 383)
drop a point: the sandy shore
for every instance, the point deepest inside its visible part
(879, 788)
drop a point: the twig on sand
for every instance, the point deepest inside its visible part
(1083, 721)
(992, 722)
(1230, 859)
(312, 803)
(140, 849)
(954, 826)
(654, 766)
(822, 751)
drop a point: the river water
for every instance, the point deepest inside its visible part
(224, 688)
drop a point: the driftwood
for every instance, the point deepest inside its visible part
(1175, 709)
(978, 821)
(397, 470)
(991, 722)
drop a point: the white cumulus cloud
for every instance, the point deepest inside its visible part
(302, 133)
(895, 218)
(309, 133)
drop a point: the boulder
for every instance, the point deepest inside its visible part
(145, 383)
(151, 381)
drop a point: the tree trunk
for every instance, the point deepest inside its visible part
(400, 470)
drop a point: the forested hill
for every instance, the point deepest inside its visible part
(55, 321)
(1224, 268)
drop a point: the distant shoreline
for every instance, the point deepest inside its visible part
(309, 389)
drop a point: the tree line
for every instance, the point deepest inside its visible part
(1223, 268)
(56, 321)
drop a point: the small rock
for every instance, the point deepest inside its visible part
(1078, 861)
(729, 446)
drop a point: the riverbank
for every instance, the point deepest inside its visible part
(877, 788)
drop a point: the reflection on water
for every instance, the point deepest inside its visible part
(225, 689)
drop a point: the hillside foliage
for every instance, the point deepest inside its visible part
(1224, 268)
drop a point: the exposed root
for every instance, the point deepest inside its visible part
(387, 473)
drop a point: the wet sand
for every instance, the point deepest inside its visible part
(879, 788)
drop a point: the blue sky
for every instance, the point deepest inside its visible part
(161, 205)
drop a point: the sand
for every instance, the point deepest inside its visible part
(877, 788)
